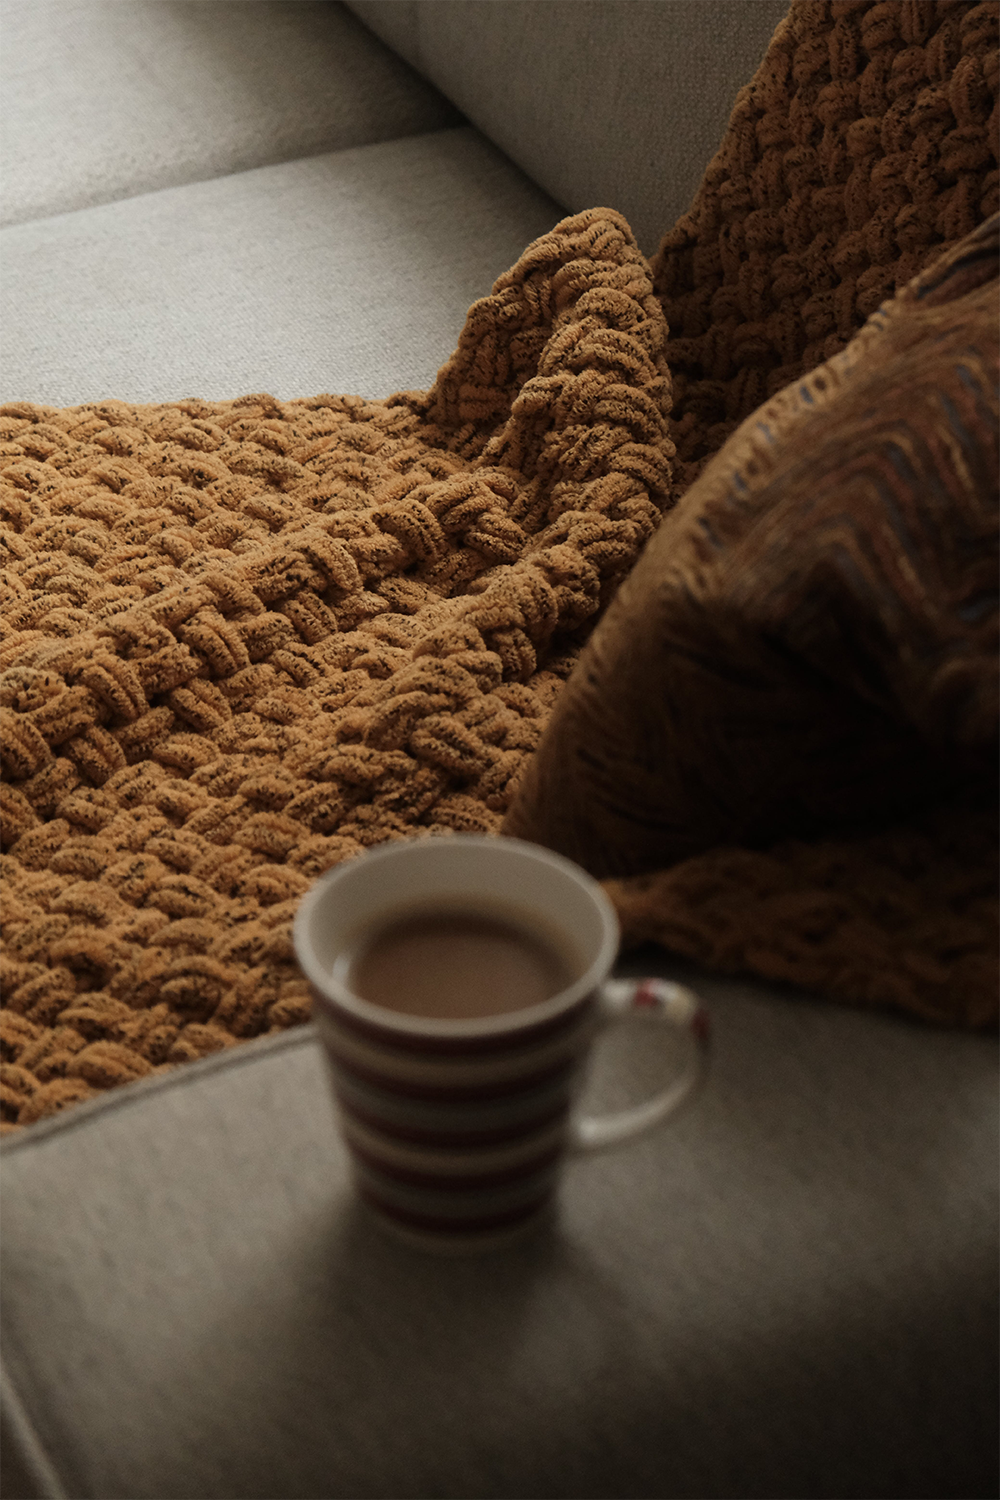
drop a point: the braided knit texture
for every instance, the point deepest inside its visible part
(864, 146)
(245, 640)
(903, 918)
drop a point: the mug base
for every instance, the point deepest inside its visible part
(446, 1243)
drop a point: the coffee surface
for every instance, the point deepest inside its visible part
(456, 966)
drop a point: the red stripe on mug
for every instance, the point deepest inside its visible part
(430, 1093)
(460, 1132)
(450, 1182)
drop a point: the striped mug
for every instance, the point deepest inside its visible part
(457, 1126)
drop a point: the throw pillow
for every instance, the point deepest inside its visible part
(808, 646)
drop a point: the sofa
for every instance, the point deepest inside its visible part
(791, 1290)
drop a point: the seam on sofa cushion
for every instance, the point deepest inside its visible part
(31, 1453)
(128, 1094)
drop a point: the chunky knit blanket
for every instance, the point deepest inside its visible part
(245, 640)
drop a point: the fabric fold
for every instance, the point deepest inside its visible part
(245, 640)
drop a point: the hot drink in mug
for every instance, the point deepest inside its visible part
(459, 984)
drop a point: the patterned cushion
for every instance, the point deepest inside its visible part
(809, 644)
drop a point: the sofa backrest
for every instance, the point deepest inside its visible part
(611, 103)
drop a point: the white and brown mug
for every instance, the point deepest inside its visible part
(458, 1123)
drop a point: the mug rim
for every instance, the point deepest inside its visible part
(336, 996)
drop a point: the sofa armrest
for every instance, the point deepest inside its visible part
(610, 104)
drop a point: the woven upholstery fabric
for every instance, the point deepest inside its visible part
(246, 640)
(808, 647)
(864, 146)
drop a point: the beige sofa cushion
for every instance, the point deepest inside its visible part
(789, 1293)
(349, 271)
(106, 99)
(608, 102)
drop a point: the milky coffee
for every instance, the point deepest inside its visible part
(454, 965)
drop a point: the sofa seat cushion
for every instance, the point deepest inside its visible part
(790, 1291)
(351, 271)
(107, 99)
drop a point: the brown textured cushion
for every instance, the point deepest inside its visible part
(808, 646)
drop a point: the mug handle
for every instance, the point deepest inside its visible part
(671, 1005)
